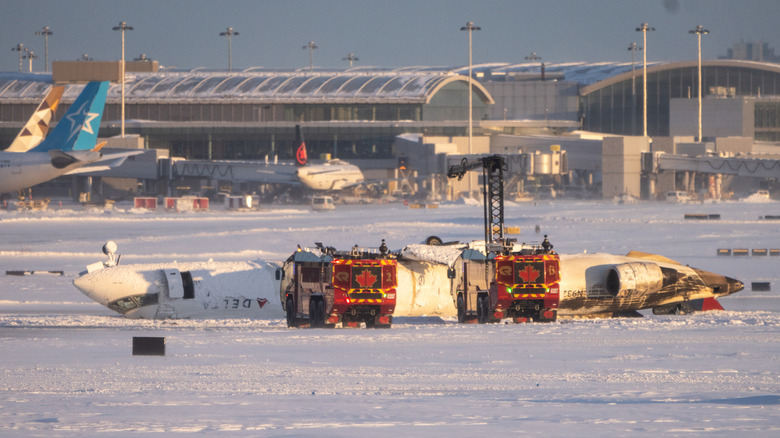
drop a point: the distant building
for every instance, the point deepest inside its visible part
(750, 51)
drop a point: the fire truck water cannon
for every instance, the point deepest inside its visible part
(323, 287)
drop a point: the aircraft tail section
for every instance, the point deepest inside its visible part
(78, 128)
(301, 158)
(35, 130)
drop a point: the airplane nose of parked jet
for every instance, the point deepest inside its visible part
(721, 285)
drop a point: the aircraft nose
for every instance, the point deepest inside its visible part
(733, 285)
(721, 285)
(86, 284)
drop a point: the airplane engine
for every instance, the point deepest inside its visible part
(635, 278)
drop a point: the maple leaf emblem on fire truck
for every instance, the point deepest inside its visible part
(529, 274)
(366, 279)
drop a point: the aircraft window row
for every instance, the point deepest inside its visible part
(126, 304)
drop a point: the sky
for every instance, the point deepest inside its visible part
(381, 33)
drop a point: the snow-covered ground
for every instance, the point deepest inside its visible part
(67, 367)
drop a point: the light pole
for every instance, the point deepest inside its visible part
(644, 28)
(29, 55)
(633, 48)
(351, 57)
(229, 33)
(534, 57)
(46, 31)
(122, 28)
(699, 31)
(469, 27)
(19, 48)
(311, 46)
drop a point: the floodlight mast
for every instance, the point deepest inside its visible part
(29, 55)
(19, 48)
(699, 31)
(122, 27)
(229, 33)
(311, 46)
(351, 57)
(633, 48)
(644, 28)
(46, 32)
(470, 28)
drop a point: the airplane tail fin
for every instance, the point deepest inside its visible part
(78, 129)
(35, 130)
(301, 158)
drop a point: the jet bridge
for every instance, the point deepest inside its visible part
(739, 166)
(236, 171)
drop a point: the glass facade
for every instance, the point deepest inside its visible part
(767, 120)
(617, 108)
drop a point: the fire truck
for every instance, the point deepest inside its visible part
(504, 280)
(323, 287)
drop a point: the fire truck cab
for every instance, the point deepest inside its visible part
(323, 287)
(521, 284)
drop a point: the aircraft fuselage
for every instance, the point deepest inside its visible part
(21, 170)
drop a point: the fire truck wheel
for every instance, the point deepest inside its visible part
(482, 310)
(461, 310)
(315, 312)
(290, 306)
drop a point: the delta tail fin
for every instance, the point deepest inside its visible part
(35, 130)
(301, 158)
(78, 128)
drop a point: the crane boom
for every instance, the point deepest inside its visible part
(493, 167)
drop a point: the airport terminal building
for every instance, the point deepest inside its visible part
(357, 114)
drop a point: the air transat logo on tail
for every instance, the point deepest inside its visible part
(300, 155)
(365, 279)
(529, 274)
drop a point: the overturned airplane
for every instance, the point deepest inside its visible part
(429, 278)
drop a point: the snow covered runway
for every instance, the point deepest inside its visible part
(67, 368)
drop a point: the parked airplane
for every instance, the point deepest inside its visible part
(35, 130)
(331, 175)
(69, 146)
(250, 289)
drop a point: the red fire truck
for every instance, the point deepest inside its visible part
(525, 288)
(506, 280)
(324, 287)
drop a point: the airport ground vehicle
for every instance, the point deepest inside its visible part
(324, 287)
(322, 203)
(507, 280)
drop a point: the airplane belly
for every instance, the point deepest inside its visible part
(423, 290)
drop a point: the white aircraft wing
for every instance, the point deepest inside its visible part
(110, 161)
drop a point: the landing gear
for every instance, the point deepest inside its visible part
(433, 240)
(683, 308)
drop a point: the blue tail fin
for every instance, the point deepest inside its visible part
(78, 129)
